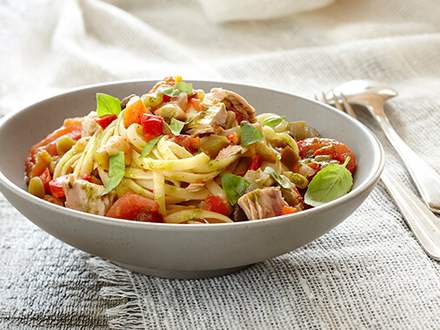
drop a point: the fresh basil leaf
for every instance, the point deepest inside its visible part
(329, 183)
(150, 145)
(116, 171)
(184, 87)
(273, 120)
(234, 186)
(176, 126)
(249, 134)
(281, 179)
(107, 105)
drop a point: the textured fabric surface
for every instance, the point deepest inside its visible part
(369, 272)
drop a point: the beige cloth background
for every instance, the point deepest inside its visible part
(367, 273)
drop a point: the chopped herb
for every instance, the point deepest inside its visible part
(249, 134)
(282, 180)
(234, 186)
(150, 145)
(116, 171)
(107, 105)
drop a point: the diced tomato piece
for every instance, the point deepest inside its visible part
(56, 187)
(256, 162)
(217, 204)
(134, 207)
(233, 138)
(153, 126)
(323, 146)
(52, 148)
(106, 120)
(190, 143)
(46, 178)
(288, 210)
(134, 112)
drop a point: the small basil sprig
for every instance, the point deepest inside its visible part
(150, 145)
(234, 186)
(331, 182)
(107, 105)
(249, 134)
(283, 181)
(116, 172)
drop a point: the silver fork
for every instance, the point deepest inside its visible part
(423, 223)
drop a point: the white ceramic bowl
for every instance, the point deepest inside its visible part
(183, 251)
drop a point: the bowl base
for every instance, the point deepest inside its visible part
(180, 274)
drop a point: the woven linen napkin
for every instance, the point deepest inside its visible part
(369, 272)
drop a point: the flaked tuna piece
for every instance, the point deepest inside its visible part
(262, 203)
(85, 196)
(234, 103)
(89, 124)
(293, 197)
(229, 151)
(208, 121)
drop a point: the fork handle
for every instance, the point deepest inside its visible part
(426, 179)
(423, 223)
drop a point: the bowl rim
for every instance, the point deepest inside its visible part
(370, 180)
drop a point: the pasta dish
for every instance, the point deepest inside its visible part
(177, 154)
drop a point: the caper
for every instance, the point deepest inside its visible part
(299, 180)
(36, 187)
(152, 100)
(64, 144)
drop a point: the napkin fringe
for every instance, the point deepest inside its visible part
(118, 285)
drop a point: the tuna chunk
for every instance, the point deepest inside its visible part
(89, 125)
(229, 151)
(85, 196)
(233, 102)
(210, 120)
(262, 203)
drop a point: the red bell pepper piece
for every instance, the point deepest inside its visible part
(56, 187)
(153, 126)
(106, 120)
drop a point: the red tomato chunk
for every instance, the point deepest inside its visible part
(135, 207)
